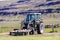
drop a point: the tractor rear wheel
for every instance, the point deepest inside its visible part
(41, 28)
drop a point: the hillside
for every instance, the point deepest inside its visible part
(30, 6)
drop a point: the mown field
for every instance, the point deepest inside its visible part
(8, 26)
(15, 22)
(32, 37)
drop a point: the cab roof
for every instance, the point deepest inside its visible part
(34, 13)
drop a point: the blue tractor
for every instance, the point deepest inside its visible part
(32, 19)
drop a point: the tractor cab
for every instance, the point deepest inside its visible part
(32, 18)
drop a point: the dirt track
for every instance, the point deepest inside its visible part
(44, 34)
(4, 34)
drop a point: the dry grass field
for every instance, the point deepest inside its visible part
(33, 37)
(12, 22)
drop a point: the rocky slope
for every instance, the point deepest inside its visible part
(31, 6)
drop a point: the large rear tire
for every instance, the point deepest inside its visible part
(41, 29)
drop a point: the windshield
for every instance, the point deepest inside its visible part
(33, 17)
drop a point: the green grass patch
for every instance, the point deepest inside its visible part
(36, 37)
(7, 27)
(49, 30)
(2, 30)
